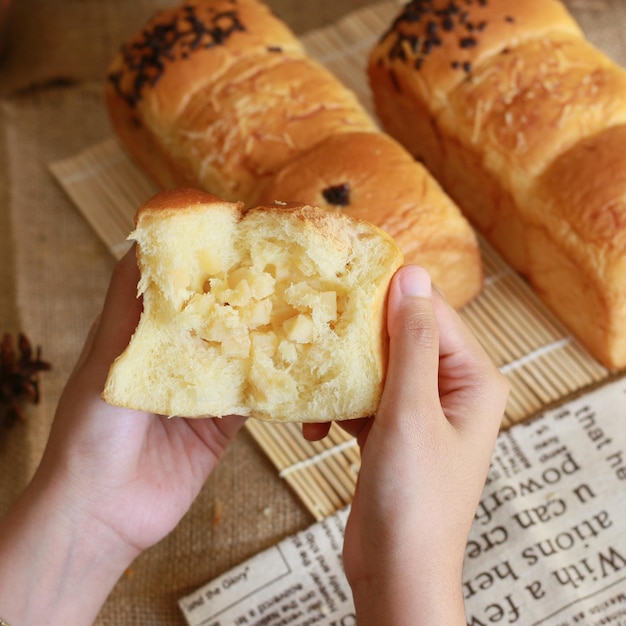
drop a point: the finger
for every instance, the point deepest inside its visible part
(315, 431)
(87, 346)
(470, 384)
(216, 433)
(120, 314)
(457, 342)
(411, 381)
(357, 428)
(230, 425)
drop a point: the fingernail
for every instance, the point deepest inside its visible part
(415, 281)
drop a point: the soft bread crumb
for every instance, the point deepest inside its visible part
(275, 313)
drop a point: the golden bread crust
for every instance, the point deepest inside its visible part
(182, 48)
(218, 95)
(433, 45)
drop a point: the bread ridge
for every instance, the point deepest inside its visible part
(234, 113)
(276, 313)
(498, 121)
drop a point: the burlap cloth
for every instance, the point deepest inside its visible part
(54, 272)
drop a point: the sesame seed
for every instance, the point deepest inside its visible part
(468, 42)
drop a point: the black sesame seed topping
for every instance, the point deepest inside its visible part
(447, 23)
(185, 33)
(468, 42)
(337, 195)
(394, 80)
(412, 45)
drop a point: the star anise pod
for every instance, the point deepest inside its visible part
(19, 376)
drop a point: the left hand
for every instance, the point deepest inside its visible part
(137, 473)
(112, 482)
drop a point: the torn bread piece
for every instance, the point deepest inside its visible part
(276, 313)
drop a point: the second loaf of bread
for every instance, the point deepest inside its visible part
(523, 122)
(276, 313)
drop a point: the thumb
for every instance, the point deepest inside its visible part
(113, 328)
(411, 388)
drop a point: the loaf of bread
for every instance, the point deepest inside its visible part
(221, 96)
(276, 313)
(522, 121)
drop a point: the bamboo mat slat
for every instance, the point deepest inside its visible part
(542, 361)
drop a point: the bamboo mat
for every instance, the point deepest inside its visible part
(542, 361)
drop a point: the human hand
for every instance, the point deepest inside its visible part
(145, 469)
(111, 483)
(424, 460)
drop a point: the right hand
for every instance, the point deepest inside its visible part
(425, 457)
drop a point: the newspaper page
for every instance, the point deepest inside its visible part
(547, 547)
